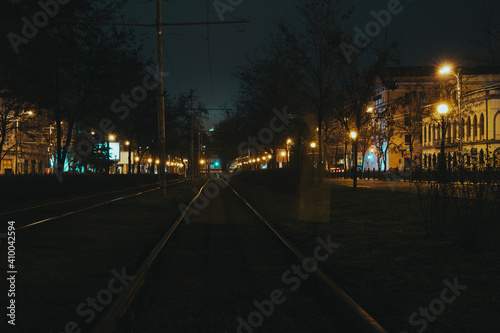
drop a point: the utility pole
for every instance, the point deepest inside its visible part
(161, 96)
(199, 144)
(191, 162)
(161, 102)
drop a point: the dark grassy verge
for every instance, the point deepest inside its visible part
(63, 263)
(386, 261)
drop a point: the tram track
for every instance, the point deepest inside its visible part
(359, 319)
(35, 215)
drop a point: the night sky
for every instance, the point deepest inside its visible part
(429, 31)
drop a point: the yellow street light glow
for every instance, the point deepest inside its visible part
(253, 160)
(150, 160)
(369, 110)
(258, 159)
(137, 159)
(283, 153)
(111, 137)
(372, 150)
(445, 70)
(264, 158)
(289, 141)
(30, 113)
(157, 161)
(443, 108)
(313, 144)
(127, 143)
(202, 161)
(93, 133)
(354, 134)
(269, 156)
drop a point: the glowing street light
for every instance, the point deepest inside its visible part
(283, 154)
(370, 110)
(447, 70)
(313, 144)
(112, 137)
(443, 108)
(137, 159)
(353, 135)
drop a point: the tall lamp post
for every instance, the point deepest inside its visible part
(127, 143)
(447, 70)
(442, 109)
(354, 135)
(313, 145)
(288, 141)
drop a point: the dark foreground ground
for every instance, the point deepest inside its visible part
(386, 262)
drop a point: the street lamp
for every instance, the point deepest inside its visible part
(137, 159)
(442, 110)
(313, 145)
(354, 135)
(446, 70)
(288, 141)
(19, 140)
(127, 143)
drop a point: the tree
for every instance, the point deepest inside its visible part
(315, 43)
(72, 69)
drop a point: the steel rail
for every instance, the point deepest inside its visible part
(75, 199)
(116, 310)
(361, 319)
(91, 207)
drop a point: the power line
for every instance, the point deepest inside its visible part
(168, 57)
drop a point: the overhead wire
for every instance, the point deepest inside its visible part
(166, 53)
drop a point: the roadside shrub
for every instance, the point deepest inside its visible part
(469, 208)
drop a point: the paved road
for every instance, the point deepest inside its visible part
(389, 185)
